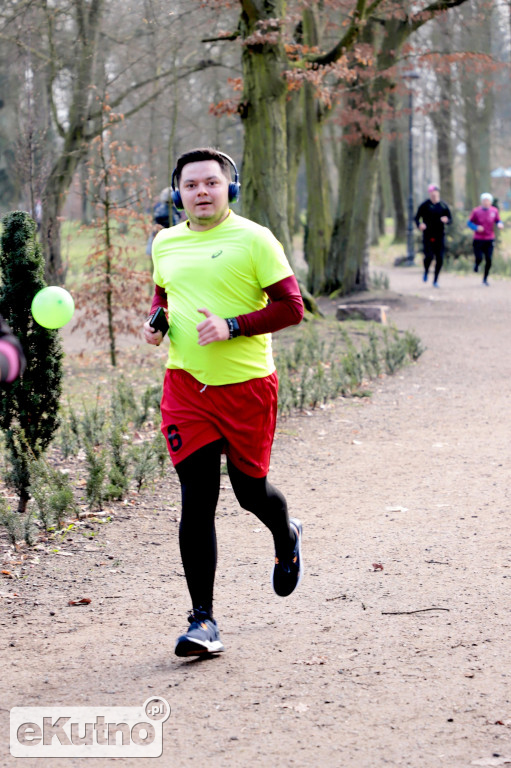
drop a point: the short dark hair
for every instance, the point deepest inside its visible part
(196, 156)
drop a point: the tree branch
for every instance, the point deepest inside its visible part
(200, 66)
(80, 20)
(51, 78)
(252, 9)
(421, 17)
(222, 38)
(419, 610)
(349, 38)
(27, 48)
(361, 14)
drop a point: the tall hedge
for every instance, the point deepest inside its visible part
(29, 407)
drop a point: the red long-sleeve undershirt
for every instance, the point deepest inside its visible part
(286, 308)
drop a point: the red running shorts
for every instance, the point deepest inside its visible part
(244, 415)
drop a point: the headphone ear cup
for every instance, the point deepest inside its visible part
(234, 191)
(175, 196)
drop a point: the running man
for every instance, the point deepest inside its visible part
(214, 273)
(161, 217)
(431, 217)
(482, 222)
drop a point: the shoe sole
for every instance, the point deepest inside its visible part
(298, 526)
(189, 647)
(299, 530)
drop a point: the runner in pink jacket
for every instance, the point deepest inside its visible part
(482, 222)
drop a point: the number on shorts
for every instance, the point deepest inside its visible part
(174, 438)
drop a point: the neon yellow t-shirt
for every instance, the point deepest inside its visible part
(223, 269)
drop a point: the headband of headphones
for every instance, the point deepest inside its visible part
(233, 189)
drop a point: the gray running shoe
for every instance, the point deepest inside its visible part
(201, 637)
(287, 573)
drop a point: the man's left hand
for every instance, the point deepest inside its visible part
(444, 219)
(213, 328)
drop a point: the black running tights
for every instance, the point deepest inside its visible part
(199, 475)
(483, 249)
(434, 249)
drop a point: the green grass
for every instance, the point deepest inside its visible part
(78, 242)
(76, 245)
(386, 251)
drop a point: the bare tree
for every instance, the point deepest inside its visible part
(87, 49)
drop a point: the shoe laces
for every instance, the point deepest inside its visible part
(287, 562)
(198, 616)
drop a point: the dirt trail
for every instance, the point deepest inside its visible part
(354, 670)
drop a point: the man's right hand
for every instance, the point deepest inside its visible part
(480, 228)
(151, 336)
(422, 226)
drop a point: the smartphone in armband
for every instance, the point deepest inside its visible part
(159, 321)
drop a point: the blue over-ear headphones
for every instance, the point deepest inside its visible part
(233, 190)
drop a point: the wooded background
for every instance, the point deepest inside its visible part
(310, 98)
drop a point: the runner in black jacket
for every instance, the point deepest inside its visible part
(431, 217)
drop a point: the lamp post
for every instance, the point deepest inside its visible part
(410, 250)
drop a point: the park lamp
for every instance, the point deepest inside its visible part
(410, 255)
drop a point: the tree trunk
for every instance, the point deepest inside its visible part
(338, 253)
(319, 218)
(263, 111)
(442, 118)
(23, 500)
(172, 148)
(318, 229)
(294, 123)
(356, 271)
(378, 216)
(396, 186)
(382, 208)
(53, 201)
(84, 194)
(442, 122)
(395, 176)
(477, 106)
(348, 267)
(73, 150)
(477, 141)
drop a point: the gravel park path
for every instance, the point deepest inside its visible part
(394, 651)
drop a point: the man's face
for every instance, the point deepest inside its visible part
(434, 195)
(486, 202)
(205, 194)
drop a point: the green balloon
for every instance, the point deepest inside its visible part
(52, 307)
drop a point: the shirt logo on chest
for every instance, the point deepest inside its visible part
(215, 255)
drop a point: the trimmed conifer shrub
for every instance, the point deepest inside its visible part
(29, 406)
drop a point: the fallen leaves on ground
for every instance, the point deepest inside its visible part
(81, 601)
